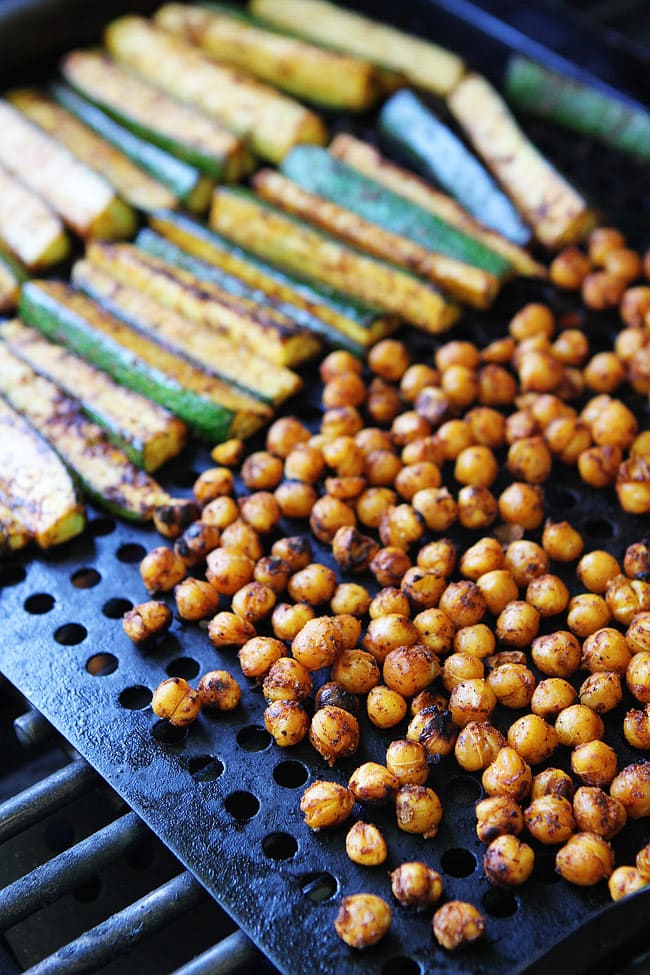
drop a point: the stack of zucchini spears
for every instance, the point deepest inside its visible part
(195, 328)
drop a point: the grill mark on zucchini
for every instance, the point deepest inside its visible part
(28, 227)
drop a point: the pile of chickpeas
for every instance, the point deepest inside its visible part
(438, 639)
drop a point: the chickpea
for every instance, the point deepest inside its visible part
(346, 389)
(304, 463)
(384, 402)
(532, 738)
(161, 570)
(526, 561)
(459, 667)
(229, 453)
(372, 503)
(418, 810)
(288, 619)
(386, 633)
(498, 588)
(342, 421)
(532, 319)
(350, 598)
(439, 555)
(604, 372)
(602, 240)
(317, 644)
(508, 862)
(552, 696)
(386, 707)
(599, 466)
(437, 507)
(221, 512)
(348, 630)
(213, 483)
(548, 595)
(344, 456)
(373, 784)
(585, 859)
(315, 584)
(549, 819)
(486, 555)
(476, 465)
(643, 861)
(176, 702)
(432, 404)
(195, 600)
(244, 538)
(219, 690)
(577, 725)
(552, 782)
(596, 569)
(456, 924)
(596, 812)
(606, 650)
(424, 449)
(409, 427)
(258, 655)
(326, 804)
(632, 788)
(423, 588)
(416, 477)
(594, 763)
(338, 362)
(571, 347)
(517, 624)
(638, 633)
(625, 598)
(561, 542)
(416, 885)
(357, 670)
(389, 565)
(635, 306)
(287, 722)
(602, 290)
(334, 733)
(636, 563)
(529, 459)
(286, 680)
(401, 526)
(457, 353)
(557, 654)
(522, 504)
(471, 700)
(296, 499)
(415, 379)
(500, 350)
(229, 630)
(587, 614)
(475, 641)
(409, 669)
(508, 775)
(434, 728)
(625, 881)
(389, 600)
(253, 602)
(505, 658)
(454, 436)
(273, 572)
(228, 570)
(328, 516)
(261, 511)
(146, 621)
(172, 519)
(407, 760)
(601, 692)
(636, 728)
(365, 845)
(285, 434)
(498, 816)
(624, 263)
(477, 745)
(463, 603)
(389, 359)
(460, 385)
(362, 920)
(353, 551)
(513, 685)
(477, 507)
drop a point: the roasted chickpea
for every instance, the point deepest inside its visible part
(602, 240)
(258, 655)
(342, 421)
(561, 542)
(388, 632)
(173, 518)
(434, 728)
(253, 602)
(244, 538)
(500, 350)
(334, 733)
(386, 707)
(476, 641)
(389, 359)
(585, 859)
(422, 587)
(477, 466)
(407, 760)
(288, 619)
(547, 595)
(346, 389)
(315, 584)
(529, 459)
(518, 624)
(557, 654)
(601, 692)
(638, 633)
(416, 885)
(532, 738)
(526, 561)
(229, 453)
(463, 603)
(401, 526)
(352, 551)
(604, 372)
(365, 845)
(454, 436)
(230, 630)
(632, 788)
(457, 353)
(624, 263)
(505, 658)
(317, 644)
(285, 434)
(384, 402)
(456, 924)
(287, 722)
(486, 555)
(372, 503)
(176, 702)
(221, 512)
(552, 696)
(409, 427)
(549, 819)
(595, 763)
(460, 385)
(338, 362)
(333, 694)
(522, 504)
(571, 347)
(636, 563)
(587, 614)
(213, 483)
(348, 630)
(228, 570)
(195, 600)
(614, 426)
(287, 680)
(424, 449)
(508, 775)
(350, 598)
(636, 728)
(161, 570)
(373, 784)
(599, 466)
(625, 598)
(389, 600)
(498, 588)
(296, 499)
(471, 700)
(326, 804)
(498, 816)
(602, 290)
(477, 745)
(532, 319)
(409, 669)
(596, 812)
(508, 862)
(596, 569)
(643, 861)
(146, 621)
(552, 782)
(389, 565)
(416, 378)
(625, 881)
(273, 572)
(577, 725)
(261, 511)
(219, 690)
(418, 810)
(459, 667)
(261, 471)
(637, 676)
(606, 650)
(416, 477)
(437, 507)
(356, 670)
(477, 507)
(362, 920)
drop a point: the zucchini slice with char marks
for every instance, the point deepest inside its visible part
(34, 484)
(28, 227)
(199, 343)
(131, 182)
(13, 534)
(333, 80)
(348, 322)
(147, 433)
(105, 472)
(309, 253)
(555, 210)
(272, 123)
(213, 409)
(264, 331)
(155, 116)
(82, 198)
(368, 160)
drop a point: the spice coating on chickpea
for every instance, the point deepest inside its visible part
(326, 804)
(498, 816)
(522, 504)
(553, 782)
(508, 775)
(585, 859)
(175, 701)
(477, 745)
(549, 819)
(230, 630)
(416, 885)
(362, 920)
(386, 707)
(161, 570)
(557, 654)
(195, 600)
(213, 483)
(287, 722)
(218, 689)
(532, 738)
(365, 845)
(632, 788)
(146, 621)
(513, 685)
(287, 680)
(456, 924)
(637, 676)
(334, 733)
(508, 862)
(388, 632)
(409, 669)
(407, 760)
(596, 812)
(636, 728)
(418, 810)
(317, 644)
(596, 569)
(315, 584)
(577, 725)
(357, 670)
(295, 550)
(228, 570)
(471, 700)
(625, 881)
(171, 519)
(253, 602)
(373, 784)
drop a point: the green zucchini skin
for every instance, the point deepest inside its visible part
(577, 106)
(439, 154)
(185, 181)
(12, 275)
(316, 171)
(60, 323)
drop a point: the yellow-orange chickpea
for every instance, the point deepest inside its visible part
(513, 685)
(548, 595)
(345, 488)
(614, 426)
(602, 290)
(372, 503)
(457, 353)
(532, 738)
(384, 402)
(416, 885)
(602, 240)
(577, 725)
(288, 619)
(604, 372)
(552, 696)
(629, 342)
(522, 504)
(261, 511)
(258, 655)
(418, 810)
(529, 460)
(362, 920)
(505, 657)
(175, 701)
(338, 362)
(476, 641)
(553, 782)
(315, 584)
(389, 359)
(477, 507)
(342, 421)
(518, 624)
(229, 630)
(238, 535)
(219, 690)
(326, 804)
(423, 587)
(228, 570)
(498, 816)
(484, 556)
(463, 603)
(285, 434)
(487, 426)
(635, 306)
(521, 425)
(624, 263)
(599, 466)
(409, 427)
(351, 598)
(632, 788)
(477, 745)
(633, 485)
(428, 699)
(498, 588)
(426, 448)
(386, 633)
(213, 483)
(532, 319)
(508, 862)
(571, 347)
(471, 700)
(638, 633)
(561, 541)
(454, 436)
(162, 569)
(637, 676)
(146, 621)
(458, 923)
(549, 819)
(372, 438)
(601, 692)
(596, 569)
(346, 389)
(334, 733)
(432, 404)
(626, 598)
(568, 438)
(539, 371)
(401, 526)
(476, 465)
(585, 859)
(220, 512)
(228, 453)
(440, 555)
(409, 669)
(317, 643)
(347, 630)
(407, 760)
(435, 630)
(389, 565)
(587, 613)
(594, 763)
(416, 477)
(365, 845)
(373, 784)
(460, 385)
(287, 680)
(389, 600)
(636, 563)
(287, 722)
(417, 378)
(508, 775)
(526, 561)
(557, 654)
(195, 600)
(459, 667)
(606, 650)
(253, 602)
(569, 268)
(273, 572)
(386, 707)
(344, 456)
(643, 861)
(261, 471)
(596, 812)
(499, 351)
(304, 463)
(437, 507)
(625, 881)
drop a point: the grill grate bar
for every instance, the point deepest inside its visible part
(32, 729)
(32, 805)
(70, 869)
(236, 953)
(124, 930)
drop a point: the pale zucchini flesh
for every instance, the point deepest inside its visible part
(28, 227)
(148, 433)
(34, 483)
(558, 214)
(308, 253)
(132, 183)
(302, 69)
(271, 122)
(199, 343)
(82, 198)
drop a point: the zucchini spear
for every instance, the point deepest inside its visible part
(104, 471)
(558, 214)
(12, 275)
(301, 69)
(336, 316)
(272, 235)
(13, 534)
(272, 123)
(407, 185)
(261, 330)
(82, 198)
(148, 434)
(34, 484)
(424, 64)
(134, 185)
(213, 409)
(203, 345)
(28, 228)
(468, 284)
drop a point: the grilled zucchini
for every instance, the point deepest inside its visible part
(185, 183)
(13, 534)
(336, 316)
(200, 343)
(308, 253)
(264, 331)
(424, 64)
(82, 198)
(155, 116)
(369, 161)
(213, 409)
(12, 275)
(147, 433)
(34, 484)
(28, 228)
(558, 214)
(272, 123)
(131, 182)
(304, 70)
(104, 471)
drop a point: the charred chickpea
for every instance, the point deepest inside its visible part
(587, 613)
(350, 598)
(596, 569)
(258, 655)
(532, 319)
(437, 507)
(508, 862)
(416, 378)
(643, 861)
(373, 784)
(602, 290)
(372, 503)
(287, 680)
(327, 516)
(422, 587)
(362, 920)
(553, 782)
(633, 485)
(577, 725)
(230, 630)
(295, 550)
(221, 512)
(498, 816)
(636, 563)
(459, 667)
(146, 621)
(460, 385)
(517, 624)
(389, 565)
(161, 570)
(601, 692)
(387, 601)
(401, 526)
(357, 670)
(244, 538)
(195, 600)
(557, 654)
(625, 598)
(287, 722)
(304, 463)
(508, 775)
(456, 924)
(273, 572)
(317, 644)
(283, 435)
(498, 588)
(288, 619)
(549, 819)
(416, 477)
(416, 885)
(532, 738)
(585, 859)
(334, 733)
(632, 788)
(548, 595)
(432, 404)
(219, 690)
(552, 696)
(409, 669)
(463, 603)
(625, 881)
(352, 551)
(229, 453)
(606, 650)
(253, 602)
(638, 633)
(365, 845)
(530, 460)
(477, 507)
(333, 694)
(596, 812)
(599, 466)
(176, 702)
(471, 700)
(315, 584)
(594, 763)
(477, 745)
(418, 810)
(522, 504)
(475, 641)
(346, 389)
(386, 707)
(171, 519)
(213, 483)
(526, 560)
(434, 728)
(326, 804)
(636, 728)
(407, 760)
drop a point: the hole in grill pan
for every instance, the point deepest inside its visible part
(70, 634)
(279, 846)
(290, 774)
(59, 835)
(89, 891)
(458, 862)
(135, 698)
(185, 667)
(561, 497)
(167, 733)
(242, 805)
(39, 603)
(205, 768)
(400, 965)
(101, 526)
(131, 552)
(115, 608)
(12, 575)
(319, 887)
(463, 790)
(499, 902)
(101, 664)
(85, 578)
(254, 738)
(599, 528)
